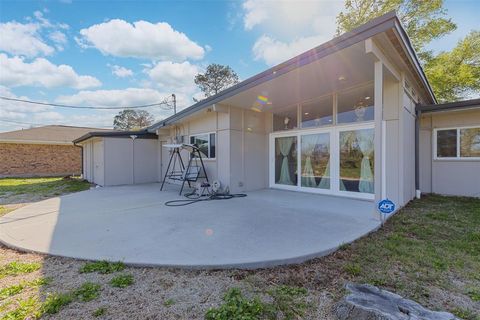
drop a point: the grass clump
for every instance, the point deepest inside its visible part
(289, 301)
(169, 302)
(99, 312)
(17, 288)
(54, 302)
(353, 269)
(236, 306)
(4, 210)
(122, 281)
(87, 291)
(33, 308)
(15, 268)
(286, 303)
(27, 309)
(474, 294)
(11, 291)
(103, 267)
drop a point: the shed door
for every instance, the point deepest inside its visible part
(98, 163)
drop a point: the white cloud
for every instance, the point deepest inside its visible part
(289, 27)
(291, 16)
(59, 39)
(255, 13)
(23, 39)
(273, 51)
(120, 71)
(113, 98)
(175, 77)
(18, 108)
(141, 39)
(126, 98)
(41, 72)
(27, 39)
(13, 112)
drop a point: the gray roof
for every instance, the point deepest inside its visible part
(450, 106)
(54, 134)
(142, 134)
(375, 26)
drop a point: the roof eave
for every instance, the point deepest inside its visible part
(101, 134)
(369, 29)
(451, 106)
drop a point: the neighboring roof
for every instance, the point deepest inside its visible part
(143, 134)
(375, 26)
(451, 106)
(53, 134)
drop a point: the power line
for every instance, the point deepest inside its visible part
(164, 102)
(35, 124)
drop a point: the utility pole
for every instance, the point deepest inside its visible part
(174, 103)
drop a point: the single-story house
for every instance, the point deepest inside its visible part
(449, 148)
(41, 151)
(341, 119)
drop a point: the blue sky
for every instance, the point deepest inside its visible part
(124, 53)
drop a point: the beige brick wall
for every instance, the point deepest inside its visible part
(22, 160)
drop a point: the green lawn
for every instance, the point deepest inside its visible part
(432, 245)
(17, 190)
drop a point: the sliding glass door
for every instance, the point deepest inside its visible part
(336, 160)
(286, 161)
(357, 160)
(315, 160)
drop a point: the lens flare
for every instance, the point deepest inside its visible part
(262, 99)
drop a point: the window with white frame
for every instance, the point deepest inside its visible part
(457, 143)
(206, 144)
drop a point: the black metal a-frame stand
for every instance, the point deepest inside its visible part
(192, 173)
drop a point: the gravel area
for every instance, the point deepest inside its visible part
(156, 294)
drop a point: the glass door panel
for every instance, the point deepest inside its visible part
(315, 160)
(357, 160)
(286, 160)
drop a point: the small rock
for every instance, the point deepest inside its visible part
(366, 302)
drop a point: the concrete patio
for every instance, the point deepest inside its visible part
(132, 224)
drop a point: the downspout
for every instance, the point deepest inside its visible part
(418, 114)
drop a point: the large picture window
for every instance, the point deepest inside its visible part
(357, 160)
(457, 143)
(205, 143)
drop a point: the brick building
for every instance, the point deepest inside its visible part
(42, 151)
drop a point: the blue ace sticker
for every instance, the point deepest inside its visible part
(386, 206)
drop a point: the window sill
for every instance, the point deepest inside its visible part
(457, 159)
